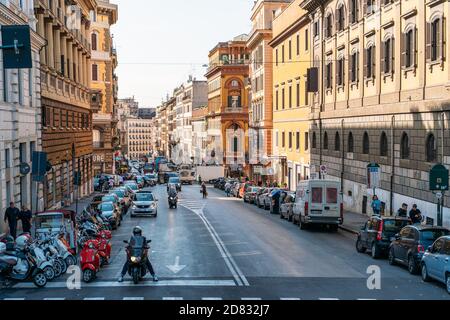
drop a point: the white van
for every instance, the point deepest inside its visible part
(318, 202)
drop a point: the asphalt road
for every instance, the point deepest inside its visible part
(221, 248)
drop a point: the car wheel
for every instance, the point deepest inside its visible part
(359, 246)
(375, 251)
(447, 281)
(391, 257)
(412, 267)
(425, 276)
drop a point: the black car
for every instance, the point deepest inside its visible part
(169, 175)
(378, 233)
(410, 245)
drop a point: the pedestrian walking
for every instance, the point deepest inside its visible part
(376, 205)
(228, 189)
(415, 215)
(26, 216)
(11, 216)
(204, 192)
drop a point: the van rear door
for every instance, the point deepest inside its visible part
(331, 204)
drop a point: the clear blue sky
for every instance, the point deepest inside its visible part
(160, 43)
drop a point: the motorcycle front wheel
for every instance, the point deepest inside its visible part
(40, 280)
(88, 275)
(135, 273)
(58, 268)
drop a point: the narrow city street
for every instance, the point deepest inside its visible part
(221, 248)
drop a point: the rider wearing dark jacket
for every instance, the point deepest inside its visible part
(137, 232)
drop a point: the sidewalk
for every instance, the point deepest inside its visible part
(82, 203)
(353, 222)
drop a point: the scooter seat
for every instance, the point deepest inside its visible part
(10, 260)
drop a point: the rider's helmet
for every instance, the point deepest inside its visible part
(137, 231)
(22, 242)
(2, 248)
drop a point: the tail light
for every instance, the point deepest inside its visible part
(380, 230)
(341, 210)
(420, 248)
(306, 208)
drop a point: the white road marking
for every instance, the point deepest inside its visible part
(133, 298)
(250, 299)
(14, 299)
(148, 283)
(54, 299)
(328, 299)
(212, 298)
(290, 299)
(172, 298)
(244, 254)
(231, 264)
(366, 299)
(95, 298)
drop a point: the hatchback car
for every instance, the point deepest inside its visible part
(110, 212)
(378, 233)
(174, 181)
(410, 244)
(250, 194)
(258, 198)
(436, 262)
(286, 206)
(144, 204)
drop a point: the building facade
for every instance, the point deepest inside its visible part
(384, 97)
(199, 134)
(291, 101)
(162, 130)
(261, 77)
(104, 92)
(20, 116)
(228, 105)
(126, 108)
(65, 96)
(141, 137)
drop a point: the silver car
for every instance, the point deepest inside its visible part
(144, 204)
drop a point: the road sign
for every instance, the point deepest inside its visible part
(439, 195)
(16, 47)
(373, 176)
(24, 169)
(439, 178)
(323, 169)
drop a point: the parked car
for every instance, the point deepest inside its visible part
(219, 182)
(265, 199)
(287, 205)
(144, 204)
(175, 182)
(409, 245)
(258, 197)
(132, 186)
(250, 194)
(123, 198)
(110, 212)
(378, 233)
(243, 187)
(319, 202)
(435, 262)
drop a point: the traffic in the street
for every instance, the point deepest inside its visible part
(218, 239)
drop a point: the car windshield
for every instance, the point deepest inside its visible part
(433, 234)
(174, 180)
(106, 207)
(151, 176)
(394, 226)
(47, 222)
(144, 197)
(119, 193)
(108, 199)
(133, 186)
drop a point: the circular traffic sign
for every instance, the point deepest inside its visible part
(25, 168)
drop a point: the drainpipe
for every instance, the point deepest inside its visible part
(322, 102)
(391, 193)
(342, 155)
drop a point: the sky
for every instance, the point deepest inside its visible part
(160, 43)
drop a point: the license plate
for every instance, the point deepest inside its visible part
(316, 211)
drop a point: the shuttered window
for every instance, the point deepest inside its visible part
(435, 35)
(354, 67)
(387, 56)
(409, 49)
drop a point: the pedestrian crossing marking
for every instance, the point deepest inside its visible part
(290, 299)
(250, 299)
(133, 298)
(54, 299)
(172, 298)
(96, 298)
(212, 298)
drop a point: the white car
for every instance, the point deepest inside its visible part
(144, 204)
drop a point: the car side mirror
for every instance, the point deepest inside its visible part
(430, 249)
(125, 241)
(397, 236)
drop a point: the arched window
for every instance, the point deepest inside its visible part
(234, 94)
(340, 17)
(314, 140)
(431, 150)
(337, 142)
(94, 41)
(325, 141)
(383, 145)
(404, 146)
(366, 144)
(350, 143)
(329, 25)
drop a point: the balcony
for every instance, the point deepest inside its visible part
(233, 62)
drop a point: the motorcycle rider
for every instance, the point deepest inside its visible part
(137, 232)
(172, 193)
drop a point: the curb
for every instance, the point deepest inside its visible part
(347, 229)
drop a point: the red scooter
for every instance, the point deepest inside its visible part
(104, 247)
(90, 260)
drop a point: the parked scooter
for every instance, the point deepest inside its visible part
(41, 260)
(21, 266)
(90, 260)
(104, 247)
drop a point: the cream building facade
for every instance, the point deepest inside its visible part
(141, 137)
(384, 97)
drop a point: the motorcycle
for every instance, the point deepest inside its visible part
(20, 266)
(104, 247)
(173, 202)
(137, 256)
(90, 260)
(41, 260)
